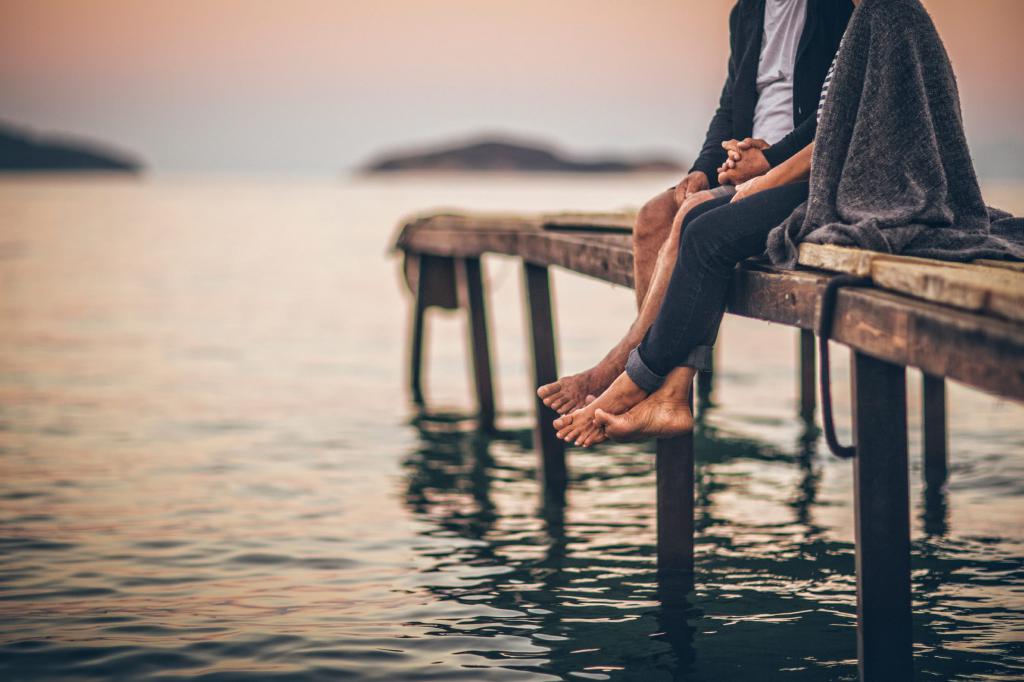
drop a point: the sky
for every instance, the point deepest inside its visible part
(323, 85)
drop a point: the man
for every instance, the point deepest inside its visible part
(780, 51)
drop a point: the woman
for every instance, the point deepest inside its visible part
(891, 173)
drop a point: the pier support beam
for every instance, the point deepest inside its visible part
(674, 465)
(471, 298)
(432, 280)
(882, 508)
(419, 309)
(807, 377)
(545, 370)
(934, 422)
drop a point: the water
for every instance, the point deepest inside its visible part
(209, 467)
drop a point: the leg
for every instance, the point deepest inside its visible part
(652, 229)
(711, 246)
(882, 501)
(934, 431)
(471, 295)
(569, 393)
(709, 250)
(551, 449)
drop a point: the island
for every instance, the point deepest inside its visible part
(506, 155)
(22, 151)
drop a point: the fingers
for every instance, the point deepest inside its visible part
(753, 143)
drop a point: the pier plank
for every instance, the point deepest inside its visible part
(975, 348)
(970, 286)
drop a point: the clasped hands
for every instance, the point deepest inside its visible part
(745, 166)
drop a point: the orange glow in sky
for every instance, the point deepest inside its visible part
(322, 84)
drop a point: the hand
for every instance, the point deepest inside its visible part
(753, 186)
(695, 182)
(745, 160)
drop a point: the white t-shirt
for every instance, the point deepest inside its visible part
(783, 26)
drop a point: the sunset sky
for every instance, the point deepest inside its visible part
(320, 85)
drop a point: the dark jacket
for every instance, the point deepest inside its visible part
(823, 29)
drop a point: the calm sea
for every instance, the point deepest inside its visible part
(210, 468)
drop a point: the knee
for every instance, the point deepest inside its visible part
(654, 219)
(702, 240)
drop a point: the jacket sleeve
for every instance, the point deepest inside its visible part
(711, 154)
(800, 137)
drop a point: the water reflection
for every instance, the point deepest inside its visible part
(574, 588)
(581, 585)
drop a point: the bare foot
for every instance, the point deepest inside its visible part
(664, 414)
(580, 428)
(570, 393)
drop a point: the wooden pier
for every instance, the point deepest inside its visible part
(958, 321)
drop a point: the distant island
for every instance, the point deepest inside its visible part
(22, 151)
(503, 155)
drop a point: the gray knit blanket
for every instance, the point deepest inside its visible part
(891, 171)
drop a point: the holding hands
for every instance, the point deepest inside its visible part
(745, 161)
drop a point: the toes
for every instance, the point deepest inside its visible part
(561, 405)
(548, 390)
(598, 436)
(589, 399)
(563, 421)
(573, 435)
(601, 417)
(593, 436)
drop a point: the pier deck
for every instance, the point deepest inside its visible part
(955, 321)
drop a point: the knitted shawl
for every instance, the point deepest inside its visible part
(891, 171)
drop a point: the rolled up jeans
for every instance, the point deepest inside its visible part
(716, 236)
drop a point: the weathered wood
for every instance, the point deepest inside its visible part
(674, 465)
(1008, 264)
(675, 475)
(999, 291)
(934, 426)
(882, 525)
(419, 310)
(978, 350)
(472, 300)
(807, 375)
(545, 370)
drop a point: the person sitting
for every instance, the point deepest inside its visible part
(889, 171)
(780, 52)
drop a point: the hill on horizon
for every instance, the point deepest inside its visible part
(22, 150)
(501, 154)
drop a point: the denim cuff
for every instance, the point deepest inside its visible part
(701, 358)
(641, 374)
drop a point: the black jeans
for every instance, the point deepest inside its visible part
(716, 236)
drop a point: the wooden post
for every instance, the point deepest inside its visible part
(471, 298)
(419, 309)
(674, 465)
(545, 370)
(934, 421)
(882, 508)
(706, 383)
(807, 378)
